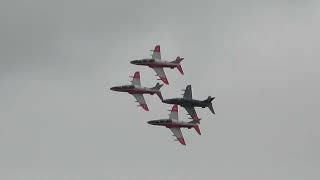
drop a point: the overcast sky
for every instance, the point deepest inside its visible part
(59, 120)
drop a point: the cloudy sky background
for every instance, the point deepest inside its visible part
(59, 120)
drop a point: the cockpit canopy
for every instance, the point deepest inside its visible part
(147, 60)
(164, 121)
(127, 87)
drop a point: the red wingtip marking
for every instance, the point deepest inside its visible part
(195, 117)
(196, 127)
(157, 48)
(165, 80)
(175, 108)
(136, 75)
(181, 140)
(145, 107)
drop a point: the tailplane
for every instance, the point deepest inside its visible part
(197, 128)
(211, 108)
(157, 87)
(208, 103)
(177, 61)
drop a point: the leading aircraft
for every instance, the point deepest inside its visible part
(137, 90)
(175, 125)
(188, 103)
(157, 64)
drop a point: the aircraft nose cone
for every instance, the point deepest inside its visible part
(134, 62)
(151, 122)
(165, 101)
(114, 88)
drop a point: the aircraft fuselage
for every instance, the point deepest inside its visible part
(131, 89)
(154, 63)
(171, 123)
(185, 102)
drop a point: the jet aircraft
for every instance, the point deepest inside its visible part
(137, 90)
(175, 125)
(188, 103)
(157, 64)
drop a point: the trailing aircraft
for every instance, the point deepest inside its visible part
(175, 125)
(188, 103)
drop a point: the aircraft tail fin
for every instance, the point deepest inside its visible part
(197, 128)
(156, 52)
(136, 79)
(177, 61)
(208, 103)
(157, 87)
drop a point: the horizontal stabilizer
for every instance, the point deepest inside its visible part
(197, 128)
(178, 60)
(211, 108)
(181, 140)
(208, 103)
(178, 65)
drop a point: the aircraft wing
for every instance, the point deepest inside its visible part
(156, 52)
(142, 102)
(160, 72)
(192, 112)
(174, 112)
(136, 79)
(178, 134)
(188, 92)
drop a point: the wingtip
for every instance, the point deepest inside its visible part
(145, 107)
(181, 140)
(164, 80)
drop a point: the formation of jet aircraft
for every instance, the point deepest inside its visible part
(187, 102)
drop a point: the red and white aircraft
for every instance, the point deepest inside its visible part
(137, 90)
(157, 64)
(175, 125)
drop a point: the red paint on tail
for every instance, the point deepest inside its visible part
(180, 68)
(195, 117)
(136, 75)
(144, 106)
(181, 140)
(196, 127)
(165, 80)
(156, 48)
